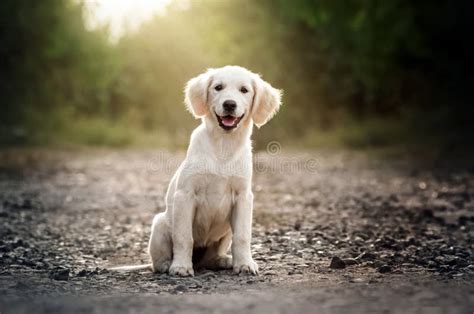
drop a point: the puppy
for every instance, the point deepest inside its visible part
(209, 201)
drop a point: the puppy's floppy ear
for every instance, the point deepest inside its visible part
(195, 94)
(266, 102)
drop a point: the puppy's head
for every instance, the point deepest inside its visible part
(230, 96)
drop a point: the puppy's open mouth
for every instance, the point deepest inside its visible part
(228, 122)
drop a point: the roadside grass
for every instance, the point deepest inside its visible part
(382, 136)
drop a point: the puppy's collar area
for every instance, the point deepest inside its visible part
(228, 122)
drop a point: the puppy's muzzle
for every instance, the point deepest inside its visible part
(229, 106)
(228, 120)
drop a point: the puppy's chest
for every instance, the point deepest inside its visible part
(214, 201)
(215, 194)
(215, 198)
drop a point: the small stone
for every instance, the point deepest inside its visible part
(169, 281)
(180, 288)
(366, 256)
(82, 273)
(384, 269)
(59, 274)
(297, 225)
(337, 263)
(428, 213)
(209, 274)
(350, 261)
(356, 280)
(27, 204)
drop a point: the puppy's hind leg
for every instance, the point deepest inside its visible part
(216, 256)
(159, 247)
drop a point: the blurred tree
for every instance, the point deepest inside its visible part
(342, 65)
(52, 68)
(380, 57)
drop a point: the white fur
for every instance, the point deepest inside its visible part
(209, 199)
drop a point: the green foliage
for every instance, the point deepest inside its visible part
(357, 73)
(50, 65)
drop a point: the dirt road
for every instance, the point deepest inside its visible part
(333, 233)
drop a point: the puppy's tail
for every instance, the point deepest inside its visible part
(131, 268)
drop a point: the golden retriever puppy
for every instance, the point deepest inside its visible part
(209, 201)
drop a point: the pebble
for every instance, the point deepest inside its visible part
(356, 280)
(180, 288)
(59, 274)
(384, 269)
(337, 263)
(350, 261)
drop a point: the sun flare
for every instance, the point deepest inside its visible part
(122, 15)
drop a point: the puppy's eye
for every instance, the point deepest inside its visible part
(244, 90)
(218, 87)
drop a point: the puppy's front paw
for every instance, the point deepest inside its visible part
(249, 267)
(182, 271)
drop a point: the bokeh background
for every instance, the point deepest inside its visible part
(356, 73)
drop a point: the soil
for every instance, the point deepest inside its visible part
(333, 232)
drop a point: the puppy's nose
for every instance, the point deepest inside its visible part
(229, 105)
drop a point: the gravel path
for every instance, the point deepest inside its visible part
(333, 232)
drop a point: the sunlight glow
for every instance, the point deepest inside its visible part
(122, 15)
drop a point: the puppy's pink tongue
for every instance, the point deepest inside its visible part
(228, 121)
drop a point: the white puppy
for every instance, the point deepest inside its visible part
(209, 200)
